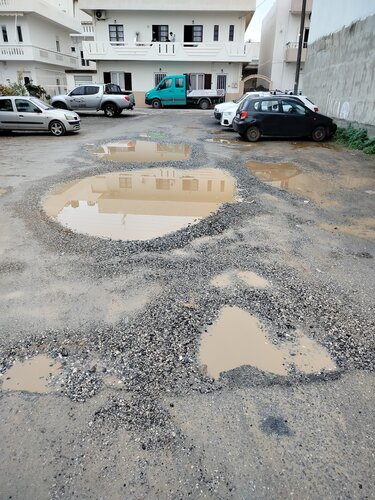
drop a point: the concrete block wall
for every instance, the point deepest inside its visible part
(339, 74)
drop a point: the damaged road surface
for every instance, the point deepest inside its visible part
(184, 314)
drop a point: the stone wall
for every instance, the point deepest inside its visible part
(339, 74)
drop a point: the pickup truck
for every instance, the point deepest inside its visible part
(107, 97)
(174, 90)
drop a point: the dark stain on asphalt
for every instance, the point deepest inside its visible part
(276, 425)
(12, 267)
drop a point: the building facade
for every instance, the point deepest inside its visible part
(340, 66)
(279, 44)
(137, 44)
(40, 41)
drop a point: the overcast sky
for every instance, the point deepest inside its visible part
(254, 29)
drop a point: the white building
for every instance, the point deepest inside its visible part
(340, 65)
(36, 42)
(134, 46)
(279, 44)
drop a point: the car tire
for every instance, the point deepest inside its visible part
(156, 103)
(319, 134)
(60, 105)
(204, 103)
(253, 134)
(110, 110)
(57, 128)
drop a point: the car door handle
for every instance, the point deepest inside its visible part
(21, 116)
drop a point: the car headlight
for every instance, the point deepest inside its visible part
(70, 117)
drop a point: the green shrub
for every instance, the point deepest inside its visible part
(13, 89)
(355, 138)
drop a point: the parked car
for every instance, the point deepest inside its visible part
(30, 113)
(106, 97)
(232, 106)
(280, 116)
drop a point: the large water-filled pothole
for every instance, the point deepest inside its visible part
(237, 338)
(140, 204)
(142, 151)
(315, 186)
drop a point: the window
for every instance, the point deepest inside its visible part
(57, 45)
(159, 77)
(231, 32)
(125, 182)
(77, 91)
(166, 84)
(163, 183)
(292, 107)
(216, 33)
(179, 83)
(19, 34)
(190, 184)
(24, 106)
(306, 37)
(91, 90)
(84, 62)
(6, 105)
(267, 106)
(193, 33)
(116, 32)
(160, 32)
(5, 33)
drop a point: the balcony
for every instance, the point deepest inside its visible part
(241, 6)
(291, 52)
(87, 31)
(20, 52)
(296, 6)
(168, 51)
(43, 9)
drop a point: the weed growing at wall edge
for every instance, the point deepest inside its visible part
(355, 138)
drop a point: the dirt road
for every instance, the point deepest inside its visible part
(184, 314)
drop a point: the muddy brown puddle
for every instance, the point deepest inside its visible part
(237, 338)
(315, 186)
(229, 278)
(142, 151)
(140, 204)
(32, 375)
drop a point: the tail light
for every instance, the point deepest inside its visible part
(126, 97)
(316, 109)
(243, 115)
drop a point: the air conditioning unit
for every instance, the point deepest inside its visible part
(100, 15)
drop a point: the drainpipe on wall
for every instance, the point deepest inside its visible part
(300, 42)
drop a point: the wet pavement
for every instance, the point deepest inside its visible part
(223, 348)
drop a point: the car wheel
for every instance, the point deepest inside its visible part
(319, 134)
(156, 103)
(253, 134)
(204, 104)
(110, 110)
(57, 128)
(60, 105)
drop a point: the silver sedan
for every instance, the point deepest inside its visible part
(30, 113)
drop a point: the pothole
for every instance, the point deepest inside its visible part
(134, 151)
(32, 375)
(314, 186)
(140, 204)
(230, 278)
(237, 338)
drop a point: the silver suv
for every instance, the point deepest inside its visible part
(29, 113)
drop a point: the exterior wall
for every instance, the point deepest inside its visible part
(143, 74)
(340, 70)
(279, 28)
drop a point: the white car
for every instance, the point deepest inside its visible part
(226, 111)
(29, 113)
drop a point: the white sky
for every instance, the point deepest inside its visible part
(254, 29)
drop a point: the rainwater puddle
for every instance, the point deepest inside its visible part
(140, 204)
(229, 278)
(361, 228)
(142, 151)
(32, 375)
(314, 186)
(237, 338)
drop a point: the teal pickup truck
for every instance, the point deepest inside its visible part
(174, 90)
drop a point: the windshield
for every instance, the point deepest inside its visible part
(40, 103)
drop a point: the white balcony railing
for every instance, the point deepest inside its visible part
(291, 52)
(232, 52)
(20, 52)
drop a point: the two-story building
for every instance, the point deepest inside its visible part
(138, 42)
(279, 43)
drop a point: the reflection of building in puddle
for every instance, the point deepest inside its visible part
(141, 204)
(32, 375)
(315, 186)
(136, 151)
(238, 339)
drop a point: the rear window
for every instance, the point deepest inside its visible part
(91, 90)
(267, 106)
(6, 105)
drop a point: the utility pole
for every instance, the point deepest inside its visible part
(300, 44)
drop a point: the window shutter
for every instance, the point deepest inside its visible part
(107, 77)
(207, 81)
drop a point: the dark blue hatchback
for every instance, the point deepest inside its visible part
(275, 116)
